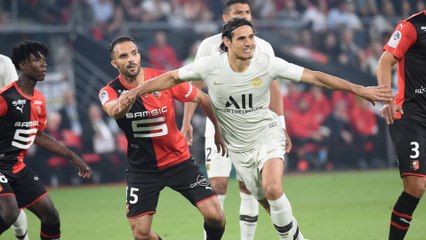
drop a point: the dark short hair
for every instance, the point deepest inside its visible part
(229, 3)
(118, 40)
(229, 27)
(23, 50)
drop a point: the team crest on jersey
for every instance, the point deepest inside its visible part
(415, 165)
(103, 96)
(38, 109)
(256, 83)
(156, 94)
(394, 40)
(19, 104)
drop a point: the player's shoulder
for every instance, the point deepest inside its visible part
(261, 43)
(38, 96)
(212, 40)
(5, 59)
(152, 72)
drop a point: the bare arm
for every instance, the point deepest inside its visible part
(376, 93)
(47, 142)
(384, 77)
(115, 110)
(277, 106)
(188, 112)
(162, 82)
(205, 104)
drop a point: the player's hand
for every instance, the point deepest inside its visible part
(84, 170)
(288, 143)
(389, 110)
(187, 131)
(220, 143)
(126, 99)
(373, 94)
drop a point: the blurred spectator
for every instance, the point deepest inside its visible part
(263, 9)
(162, 55)
(132, 10)
(155, 10)
(330, 46)
(99, 143)
(194, 9)
(365, 128)
(371, 57)
(289, 12)
(381, 23)
(82, 15)
(69, 113)
(291, 98)
(339, 137)
(205, 27)
(192, 53)
(109, 18)
(344, 17)
(350, 53)
(315, 15)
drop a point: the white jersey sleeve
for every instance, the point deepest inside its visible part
(8, 72)
(279, 68)
(209, 46)
(194, 71)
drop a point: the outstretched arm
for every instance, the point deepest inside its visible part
(162, 82)
(47, 142)
(205, 104)
(372, 94)
(384, 77)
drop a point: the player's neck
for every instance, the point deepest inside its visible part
(238, 64)
(26, 86)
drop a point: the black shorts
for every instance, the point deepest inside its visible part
(409, 140)
(143, 189)
(25, 185)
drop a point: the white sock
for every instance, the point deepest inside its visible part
(282, 217)
(249, 210)
(20, 226)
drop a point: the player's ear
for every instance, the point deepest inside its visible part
(227, 42)
(225, 18)
(113, 63)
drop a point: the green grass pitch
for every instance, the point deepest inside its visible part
(328, 206)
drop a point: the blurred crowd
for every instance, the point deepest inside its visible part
(329, 131)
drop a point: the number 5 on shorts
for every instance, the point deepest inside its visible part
(133, 197)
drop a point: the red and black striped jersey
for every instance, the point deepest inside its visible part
(154, 141)
(21, 117)
(408, 45)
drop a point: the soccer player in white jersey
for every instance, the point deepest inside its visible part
(8, 74)
(219, 168)
(238, 80)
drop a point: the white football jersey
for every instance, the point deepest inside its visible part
(241, 100)
(210, 46)
(7, 71)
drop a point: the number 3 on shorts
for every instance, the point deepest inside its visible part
(415, 150)
(3, 179)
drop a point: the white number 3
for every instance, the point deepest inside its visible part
(415, 150)
(3, 179)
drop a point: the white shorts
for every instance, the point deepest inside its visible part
(249, 164)
(216, 165)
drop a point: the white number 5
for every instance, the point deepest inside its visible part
(133, 195)
(415, 150)
(24, 138)
(3, 179)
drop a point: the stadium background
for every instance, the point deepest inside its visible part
(329, 130)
